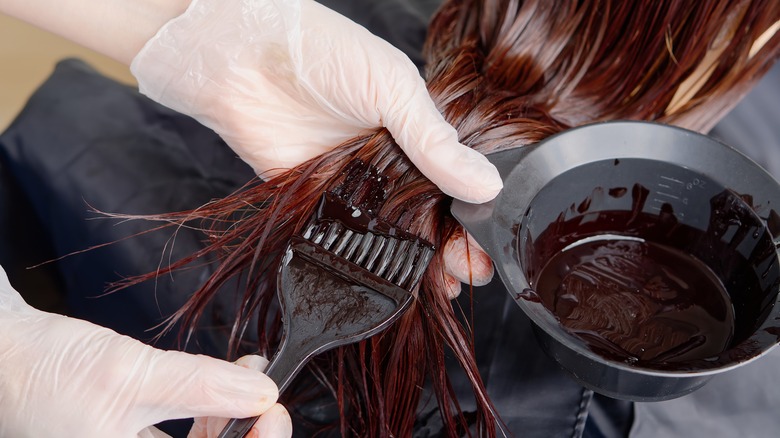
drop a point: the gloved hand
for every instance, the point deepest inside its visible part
(282, 81)
(63, 377)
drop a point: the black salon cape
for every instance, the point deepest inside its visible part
(84, 142)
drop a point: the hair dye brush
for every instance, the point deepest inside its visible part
(347, 277)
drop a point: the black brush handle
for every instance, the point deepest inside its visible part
(238, 427)
(284, 366)
(363, 304)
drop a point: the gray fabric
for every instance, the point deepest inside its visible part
(532, 395)
(752, 127)
(745, 402)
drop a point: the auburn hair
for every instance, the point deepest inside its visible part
(505, 74)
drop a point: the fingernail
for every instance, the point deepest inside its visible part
(453, 286)
(253, 362)
(482, 180)
(491, 179)
(468, 264)
(482, 265)
(275, 423)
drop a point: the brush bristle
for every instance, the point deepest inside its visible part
(399, 261)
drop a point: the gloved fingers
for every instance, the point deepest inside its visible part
(465, 261)
(432, 145)
(394, 95)
(207, 427)
(382, 86)
(252, 362)
(452, 286)
(189, 385)
(275, 423)
(278, 425)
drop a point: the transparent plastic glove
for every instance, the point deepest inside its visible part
(465, 262)
(283, 81)
(63, 377)
(274, 421)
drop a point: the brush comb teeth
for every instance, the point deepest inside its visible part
(372, 244)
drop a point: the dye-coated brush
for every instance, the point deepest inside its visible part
(347, 277)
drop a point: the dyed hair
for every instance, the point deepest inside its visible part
(505, 74)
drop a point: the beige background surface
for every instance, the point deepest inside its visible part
(28, 56)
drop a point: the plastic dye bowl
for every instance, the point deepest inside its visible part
(644, 254)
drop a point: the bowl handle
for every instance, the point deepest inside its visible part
(478, 219)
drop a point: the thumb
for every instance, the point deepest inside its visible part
(181, 385)
(432, 145)
(465, 260)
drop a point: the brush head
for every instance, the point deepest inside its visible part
(347, 278)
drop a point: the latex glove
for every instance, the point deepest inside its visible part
(63, 377)
(273, 420)
(465, 262)
(283, 81)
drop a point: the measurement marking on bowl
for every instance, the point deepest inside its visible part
(664, 201)
(672, 191)
(668, 195)
(668, 178)
(668, 184)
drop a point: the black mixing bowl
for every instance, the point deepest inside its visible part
(648, 183)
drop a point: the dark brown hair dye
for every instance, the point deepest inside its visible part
(505, 74)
